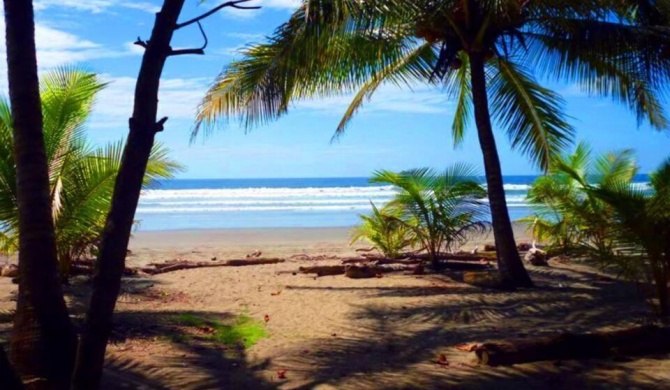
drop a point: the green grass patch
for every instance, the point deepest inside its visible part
(241, 330)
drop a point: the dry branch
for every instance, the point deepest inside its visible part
(568, 346)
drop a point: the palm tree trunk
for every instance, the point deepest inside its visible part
(8, 377)
(42, 340)
(114, 243)
(509, 262)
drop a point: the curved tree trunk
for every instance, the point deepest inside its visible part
(43, 340)
(509, 261)
(111, 261)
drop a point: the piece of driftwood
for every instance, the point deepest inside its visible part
(169, 266)
(568, 346)
(327, 270)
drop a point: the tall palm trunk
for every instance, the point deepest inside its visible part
(509, 262)
(43, 340)
(115, 238)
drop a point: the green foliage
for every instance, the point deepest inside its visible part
(241, 330)
(566, 216)
(590, 206)
(81, 175)
(439, 211)
(336, 47)
(384, 231)
(639, 228)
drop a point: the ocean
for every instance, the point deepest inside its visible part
(275, 203)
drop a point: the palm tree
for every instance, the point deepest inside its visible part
(384, 230)
(640, 230)
(43, 340)
(483, 53)
(441, 211)
(567, 216)
(81, 177)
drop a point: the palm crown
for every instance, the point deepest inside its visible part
(81, 176)
(487, 55)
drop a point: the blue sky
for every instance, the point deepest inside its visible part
(398, 129)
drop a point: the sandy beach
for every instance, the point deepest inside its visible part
(337, 333)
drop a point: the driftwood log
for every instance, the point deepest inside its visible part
(370, 270)
(628, 342)
(155, 269)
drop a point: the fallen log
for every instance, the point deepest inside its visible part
(380, 261)
(328, 270)
(627, 342)
(170, 266)
(456, 256)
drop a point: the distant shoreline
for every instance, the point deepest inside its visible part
(236, 238)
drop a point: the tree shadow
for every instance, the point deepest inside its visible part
(173, 356)
(396, 345)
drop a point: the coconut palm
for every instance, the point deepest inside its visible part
(566, 216)
(81, 176)
(384, 230)
(485, 54)
(640, 230)
(43, 339)
(440, 210)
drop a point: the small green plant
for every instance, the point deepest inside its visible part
(242, 330)
(384, 231)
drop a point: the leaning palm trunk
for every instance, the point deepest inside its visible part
(42, 341)
(509, 263)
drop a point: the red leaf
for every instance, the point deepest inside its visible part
(281, 374)
(442, 360)
(266, 318)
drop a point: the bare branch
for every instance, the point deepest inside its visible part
(200, 50)
(160, 125)
(186, 51)
(232, 4)
(140, 42)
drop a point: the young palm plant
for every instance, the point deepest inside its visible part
(384, 230)
(81, 176)
(640, 230)
(441, 210)
(566, 216)
(485, 55)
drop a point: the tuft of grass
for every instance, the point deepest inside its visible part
(244, 331)
(241, 330)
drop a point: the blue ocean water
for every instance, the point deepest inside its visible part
(256, 203)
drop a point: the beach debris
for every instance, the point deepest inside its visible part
(379, 276)
(442, 360)
(359, 272)
(255, 253)
(365, 249)
(466, 347)
(489, 248)
(323, 270)
(9, 271)
(176, 265)
(644, 340)
(474, 251)
(281, 374)
(523, 246)
(266, 318)
(419, 270)
(536, 257)
(213, 258)
(274, 294)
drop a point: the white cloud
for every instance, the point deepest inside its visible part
(96, 6)
(289, 5)
(178, 99)
(388, 98)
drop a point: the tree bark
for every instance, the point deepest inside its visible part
(111, 260)
(634, 341)
(509, 261)
(42, 340)
(8, 377)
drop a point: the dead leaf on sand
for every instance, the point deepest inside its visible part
(281, 374)
(466, 347)
(442, 360)
(266, 318)
(274, 294)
